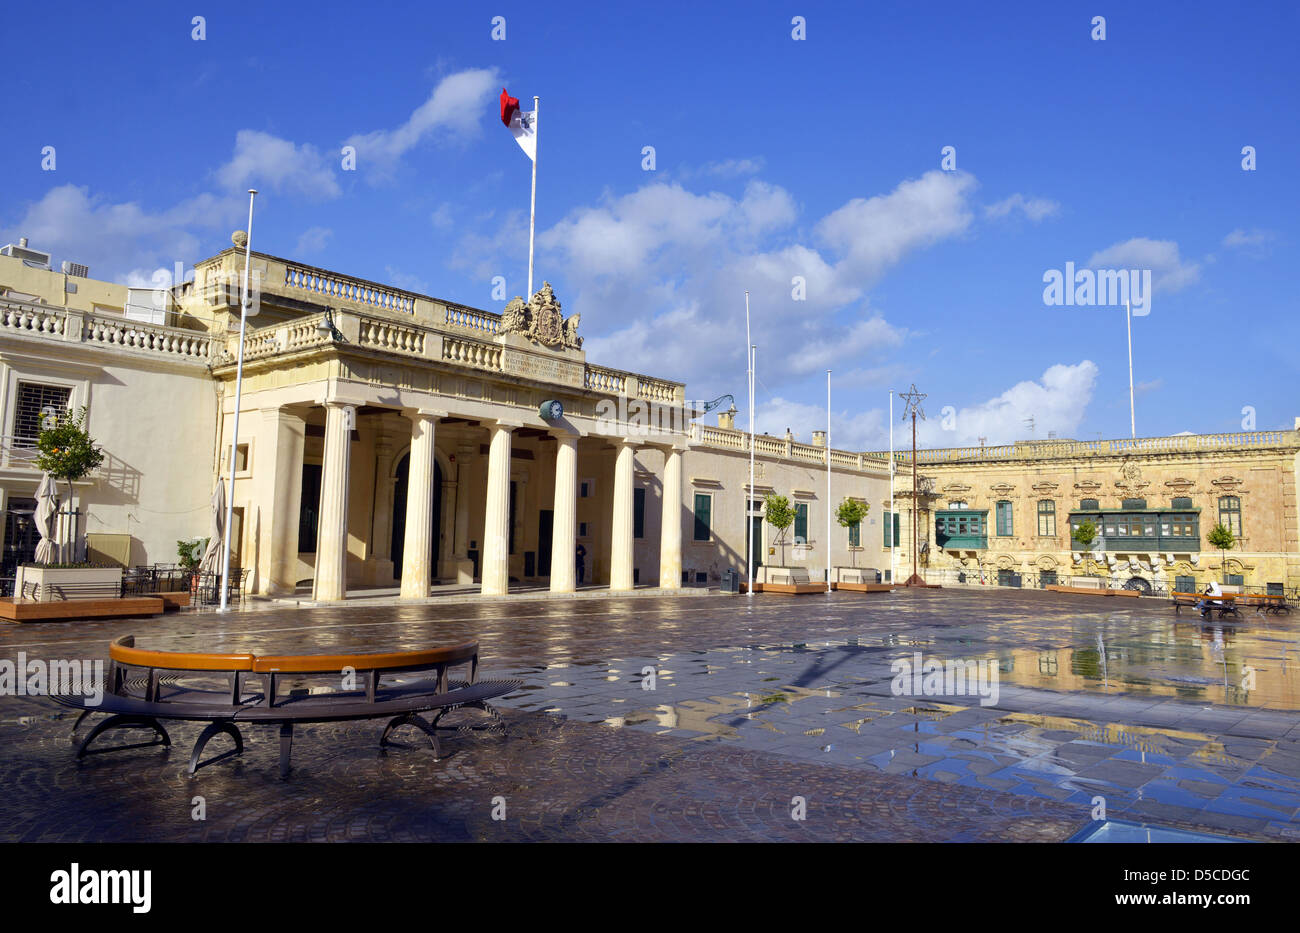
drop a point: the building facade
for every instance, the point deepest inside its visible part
(997, 513)
(387, 439)
(391, 440)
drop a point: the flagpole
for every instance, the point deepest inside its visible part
(889, 519)
(828, 482)
(532, 210)
(239, 391)
(750, 352)
(1132, 414)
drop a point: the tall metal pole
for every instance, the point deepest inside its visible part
(914, 496)
(239, 391)
(828, 481)
(889, 519)
(1132, 414)
(532, 210)
(751, 353)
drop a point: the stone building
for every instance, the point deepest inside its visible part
(1001, 512)
(385, 438)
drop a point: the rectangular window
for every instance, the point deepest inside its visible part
(887, 521)
(1004, 519)
(1230, 513)
(1181, 502)
(801, 522)
(1046, 518)
(35, 403)
(1088, 505)
(307, 507)
(1184, 584)
(703, 516)
(855, 534)
(638, 513)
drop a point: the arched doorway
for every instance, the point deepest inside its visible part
(399, 516)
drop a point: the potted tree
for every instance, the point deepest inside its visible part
(1084, 534)
(67, 452)
(190, 555)
(1221, 537)
(850, 514)
(780, 516)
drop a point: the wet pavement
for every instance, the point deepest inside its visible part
(658, 718)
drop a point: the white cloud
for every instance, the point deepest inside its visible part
(1056, 402)
(673, 266)
(1034, 208)
(454, 109)
(724, 168)
(118, 239)
(264, 161)
(313, 240)
(1252, 239)
(1168, 271)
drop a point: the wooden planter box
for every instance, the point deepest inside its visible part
(54, 584)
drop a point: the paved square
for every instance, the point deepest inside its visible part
(755, 701)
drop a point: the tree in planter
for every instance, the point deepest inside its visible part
(1221, 536)
(780, 516)
(1085, 533)
(191, 553)
(851, 513)
(67, 452)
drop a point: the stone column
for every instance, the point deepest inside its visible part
(419, 507)
(564, 533)
(621, 543)
(280, 447)
(332, 532)
(670, 528)
(496, 522)
(381, 545)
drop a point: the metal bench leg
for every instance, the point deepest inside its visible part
(214, 729)
(286, 747)
(80, 719)
(123, 722)
(411, 719)
(497, 725)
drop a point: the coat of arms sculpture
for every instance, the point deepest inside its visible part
(541, 320)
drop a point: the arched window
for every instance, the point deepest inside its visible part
(1046, 518)
(1230, 514)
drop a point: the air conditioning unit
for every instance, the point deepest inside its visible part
(32, 257)
(147, 305)
(77, 269)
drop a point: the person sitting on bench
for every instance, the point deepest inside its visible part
(1211, 592)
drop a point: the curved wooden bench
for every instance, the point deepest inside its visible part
(134, 701)
(1223, 604)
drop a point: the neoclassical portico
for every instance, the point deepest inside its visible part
(482, 447)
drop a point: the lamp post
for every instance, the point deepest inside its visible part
(913, 400)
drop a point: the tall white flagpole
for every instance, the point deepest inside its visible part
(239, 391)
(750, 353)
(889, 519)
(1132, 414)
(828, 482)
(532, 210)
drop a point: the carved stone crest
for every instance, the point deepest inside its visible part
(541, 320)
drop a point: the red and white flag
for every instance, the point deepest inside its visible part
(521, 123)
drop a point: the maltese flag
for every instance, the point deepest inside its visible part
(522, 123)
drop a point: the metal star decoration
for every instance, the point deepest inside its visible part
(913, 402)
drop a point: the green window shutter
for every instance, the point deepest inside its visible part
(1004, 519)
(855, 534)
(896, 527)
(638, 513)
(888, 522)
(703, 516)
(801, 522)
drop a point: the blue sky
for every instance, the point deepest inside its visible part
(775, 158)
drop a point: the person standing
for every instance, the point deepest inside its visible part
(582, 562)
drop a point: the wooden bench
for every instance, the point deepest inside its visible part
(14, 609)
(1268, 602)
(1224, 603)
(1089, 590)
(229, 690)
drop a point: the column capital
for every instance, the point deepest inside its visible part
(508, 423)
(342, 402)
(424, 414)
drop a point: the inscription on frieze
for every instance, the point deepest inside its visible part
(542, 368)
